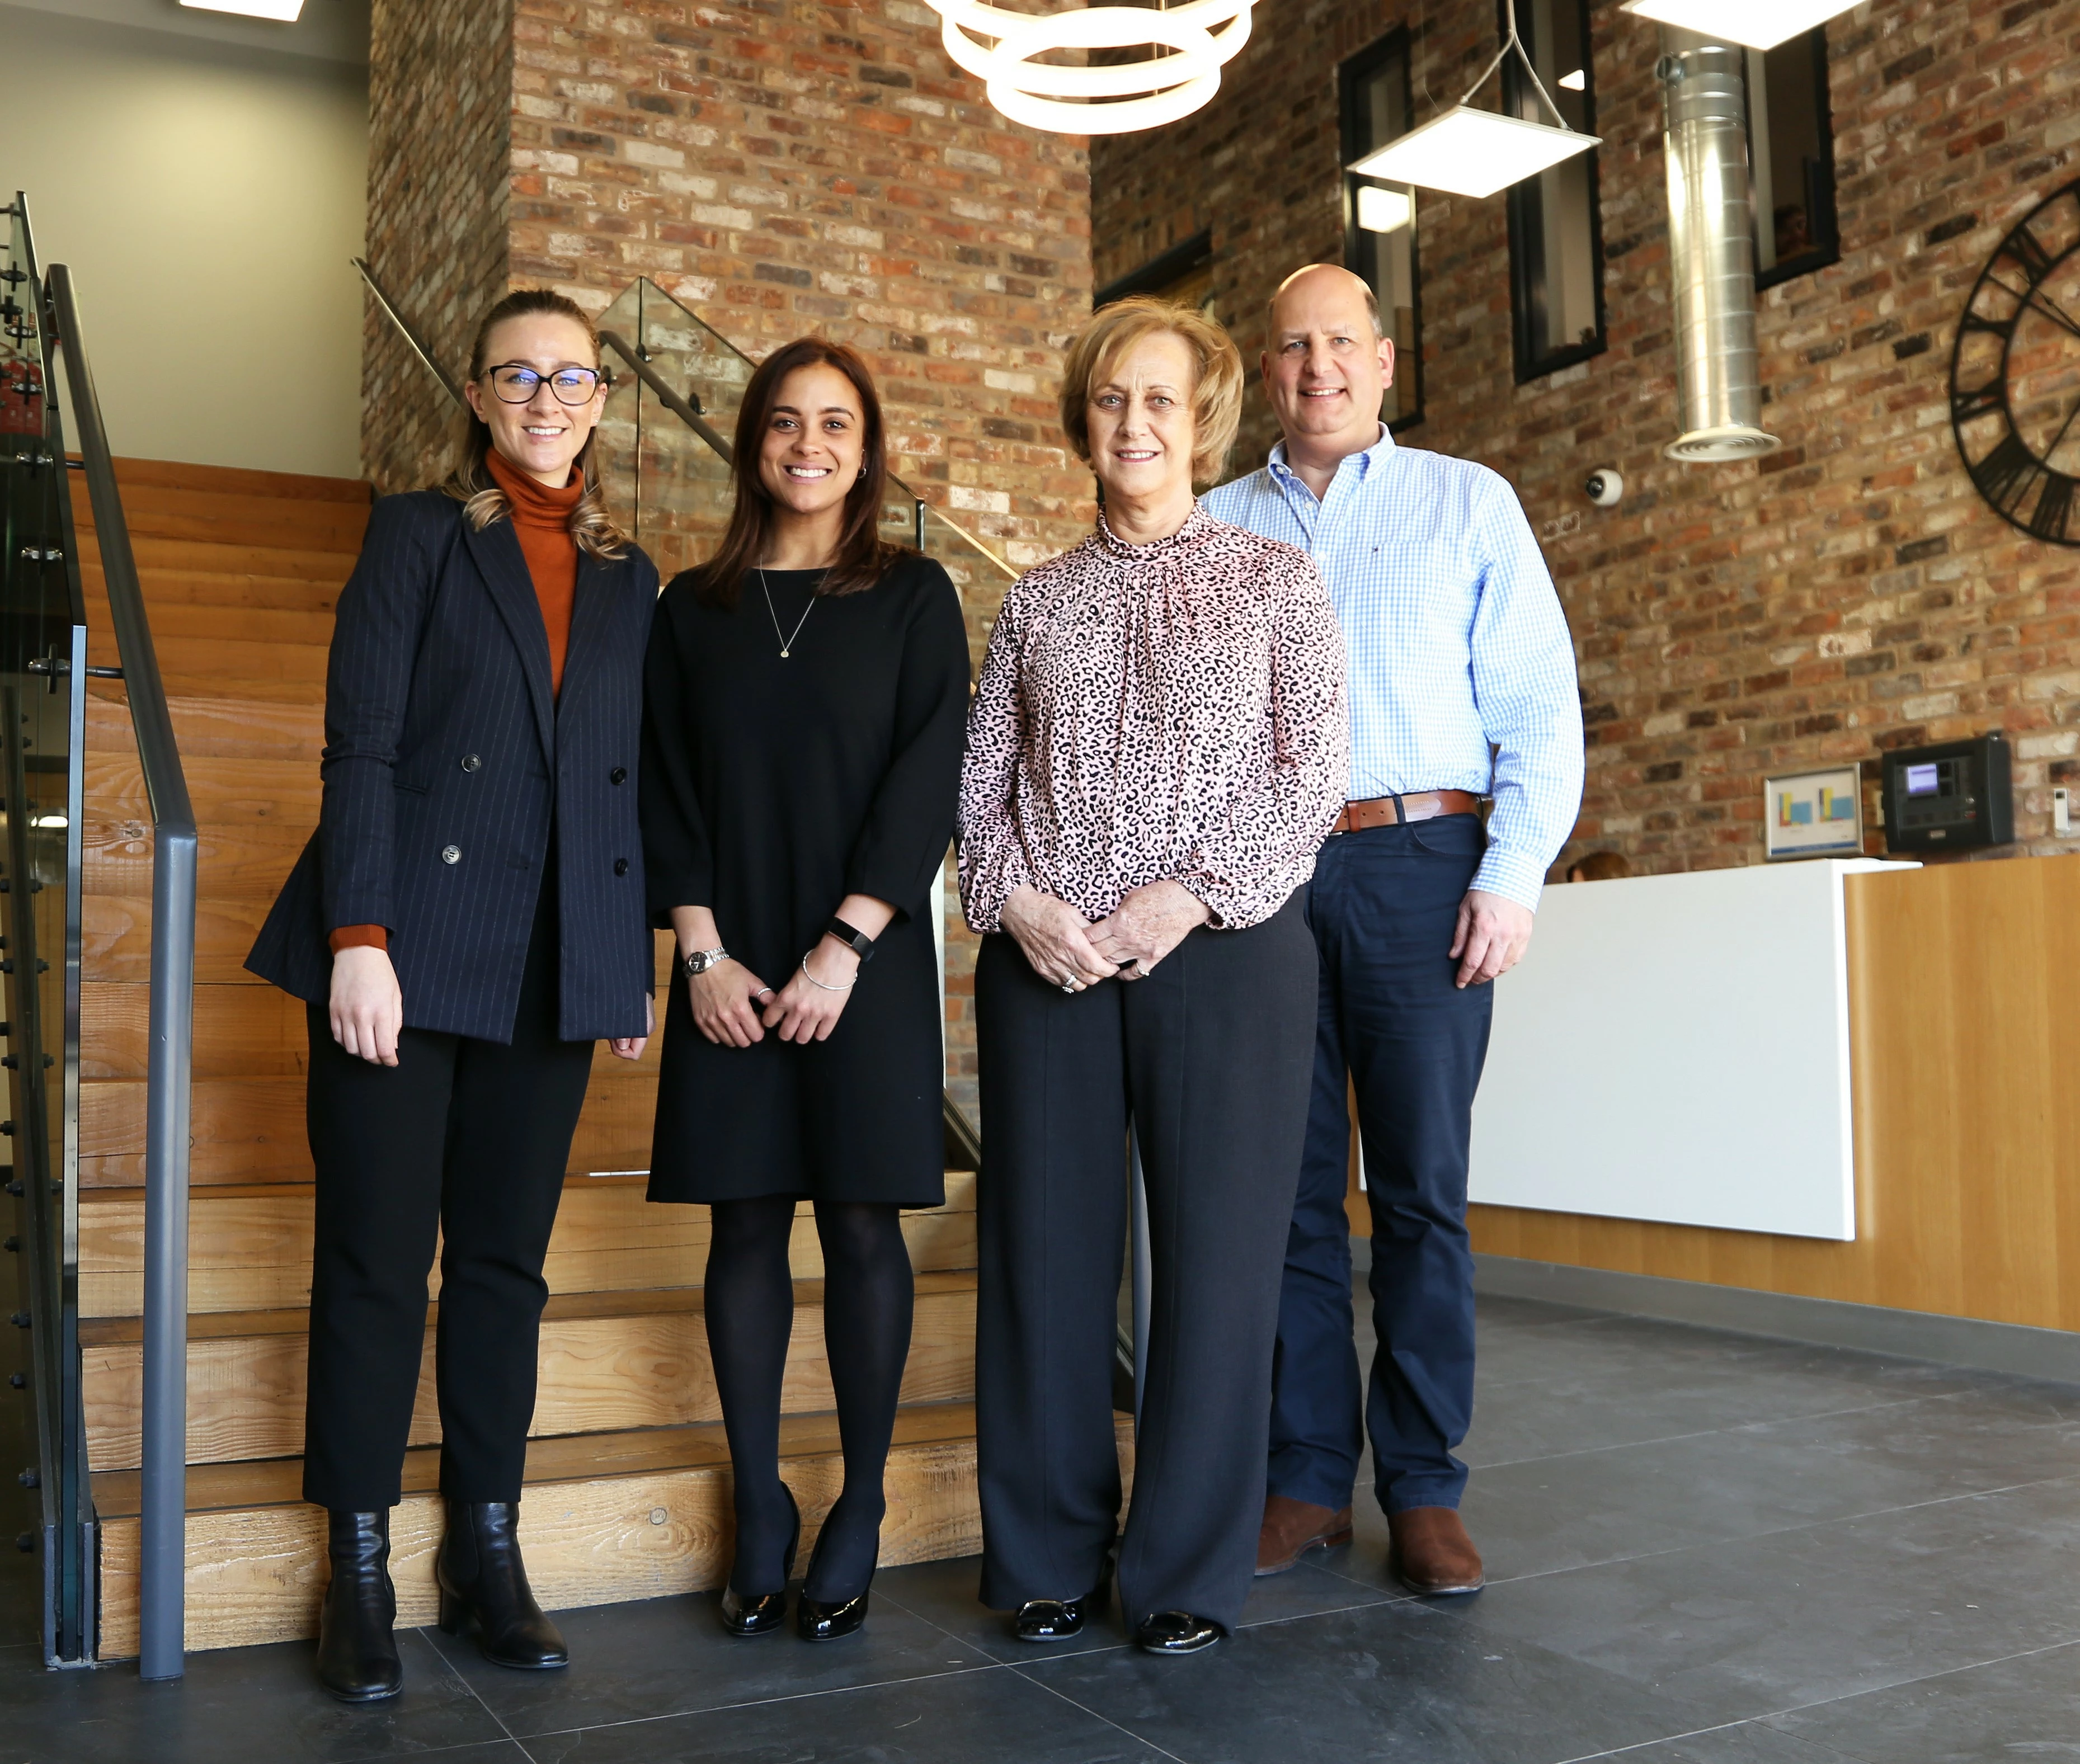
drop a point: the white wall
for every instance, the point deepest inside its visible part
(207, 196)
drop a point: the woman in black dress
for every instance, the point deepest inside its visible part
(804, 698)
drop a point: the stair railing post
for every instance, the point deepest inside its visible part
(164, 1508)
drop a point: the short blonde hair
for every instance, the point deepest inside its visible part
(1217, 380)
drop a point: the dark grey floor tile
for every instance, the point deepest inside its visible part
(2010, 1710)
(1389, 1683)
(1742, 1629)
(670, 1656)
(1495, 1312)
(1534, 1517)
(1748, 1742)
(236, 1706)
(992, 1713)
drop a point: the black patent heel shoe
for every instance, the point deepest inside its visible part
(760, 1614)
(1061, 1620)
(817, 1621)
(480, 1575)
(357, 1643)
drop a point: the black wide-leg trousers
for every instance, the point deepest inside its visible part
(467, 1139)
(1210, 1056)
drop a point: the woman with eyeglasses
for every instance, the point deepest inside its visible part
(467, 921)
(801, 755)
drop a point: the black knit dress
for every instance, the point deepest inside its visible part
(772, 787)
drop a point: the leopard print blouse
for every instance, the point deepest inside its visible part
(1170, 711)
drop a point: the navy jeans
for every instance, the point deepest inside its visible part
(1393, 1025)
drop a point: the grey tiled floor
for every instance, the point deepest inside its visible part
(1705, 1549)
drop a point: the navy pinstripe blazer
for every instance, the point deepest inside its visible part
(446, 755)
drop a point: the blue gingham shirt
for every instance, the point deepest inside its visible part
(1458, 666)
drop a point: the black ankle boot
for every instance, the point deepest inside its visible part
(357, 1651)
(481, 1576)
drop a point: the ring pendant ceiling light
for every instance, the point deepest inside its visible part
(1473, 152)
(1187, 45)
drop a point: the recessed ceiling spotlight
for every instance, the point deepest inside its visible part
(281, 11)
(1760, 24)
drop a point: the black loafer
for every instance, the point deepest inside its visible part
(817, 1621)
(761, 1613)
(1177, 1632)
(1058, 1620)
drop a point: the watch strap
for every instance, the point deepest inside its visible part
(854, 939)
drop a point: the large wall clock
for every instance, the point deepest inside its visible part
(2015, 373)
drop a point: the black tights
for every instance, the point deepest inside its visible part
(750, 1303)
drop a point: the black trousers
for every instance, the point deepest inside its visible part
(469, 1139)
(1210, 1056)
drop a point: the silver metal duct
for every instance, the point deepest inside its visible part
(1711, 250)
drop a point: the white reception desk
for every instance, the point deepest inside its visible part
(1677, 1049)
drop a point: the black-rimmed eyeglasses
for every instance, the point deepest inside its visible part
(516, 383)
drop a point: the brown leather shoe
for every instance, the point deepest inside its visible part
(1431, 1552)
(1291, 1528)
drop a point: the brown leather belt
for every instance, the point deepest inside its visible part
(1418, 806)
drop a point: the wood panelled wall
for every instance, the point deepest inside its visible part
(1965, 1029)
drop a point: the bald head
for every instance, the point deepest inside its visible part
(1326, 366)
(1330, 280)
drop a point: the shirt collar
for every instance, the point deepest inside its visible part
(1367, 458)
(1197, 526)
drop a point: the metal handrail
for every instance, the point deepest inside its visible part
(411, 337)
(670, 400)
(163, 1513)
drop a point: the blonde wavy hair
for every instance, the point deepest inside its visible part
(1217, 380)
(471, 483)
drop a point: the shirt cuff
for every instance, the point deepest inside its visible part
(1512, 875)
(360, 937)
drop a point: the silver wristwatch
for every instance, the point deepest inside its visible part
(702, 960)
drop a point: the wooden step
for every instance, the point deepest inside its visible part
(240, 1032)
(249, 1130)
(249, 1246)
(609, 1361)
(229, 667)
(606, 1518)
(115, 938)
(211, 620)
(301, 523)
(166, 588)
(212, 728)
(239, 480)
(232, 558)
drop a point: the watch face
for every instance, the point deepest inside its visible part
(2015, 373)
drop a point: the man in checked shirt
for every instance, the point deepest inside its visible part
(1461, 680)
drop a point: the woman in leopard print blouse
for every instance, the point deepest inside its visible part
(1156, 750)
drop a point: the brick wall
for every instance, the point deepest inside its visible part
(440, 82)
(1850, 593)
(783, 167)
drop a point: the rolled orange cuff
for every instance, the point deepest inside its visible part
(360, 937)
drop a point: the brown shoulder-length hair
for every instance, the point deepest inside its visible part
(863, 555)
(471, 483)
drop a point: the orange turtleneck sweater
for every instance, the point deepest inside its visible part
(541, 522)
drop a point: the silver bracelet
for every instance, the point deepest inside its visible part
(819, 986)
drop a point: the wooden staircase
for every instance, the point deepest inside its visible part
(627, 1477)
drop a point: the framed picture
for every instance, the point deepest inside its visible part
(1814, 814)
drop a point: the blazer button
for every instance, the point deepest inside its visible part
(619, 775)
(621, 866)
(452, 854)
(471, 763)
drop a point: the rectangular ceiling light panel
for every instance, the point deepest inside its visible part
(1472, 153)
(284, 11)
(1760, 24)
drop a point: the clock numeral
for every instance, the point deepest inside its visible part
(2005, 476)
(2028, 249)
(2054, 509)
(1986, 400)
